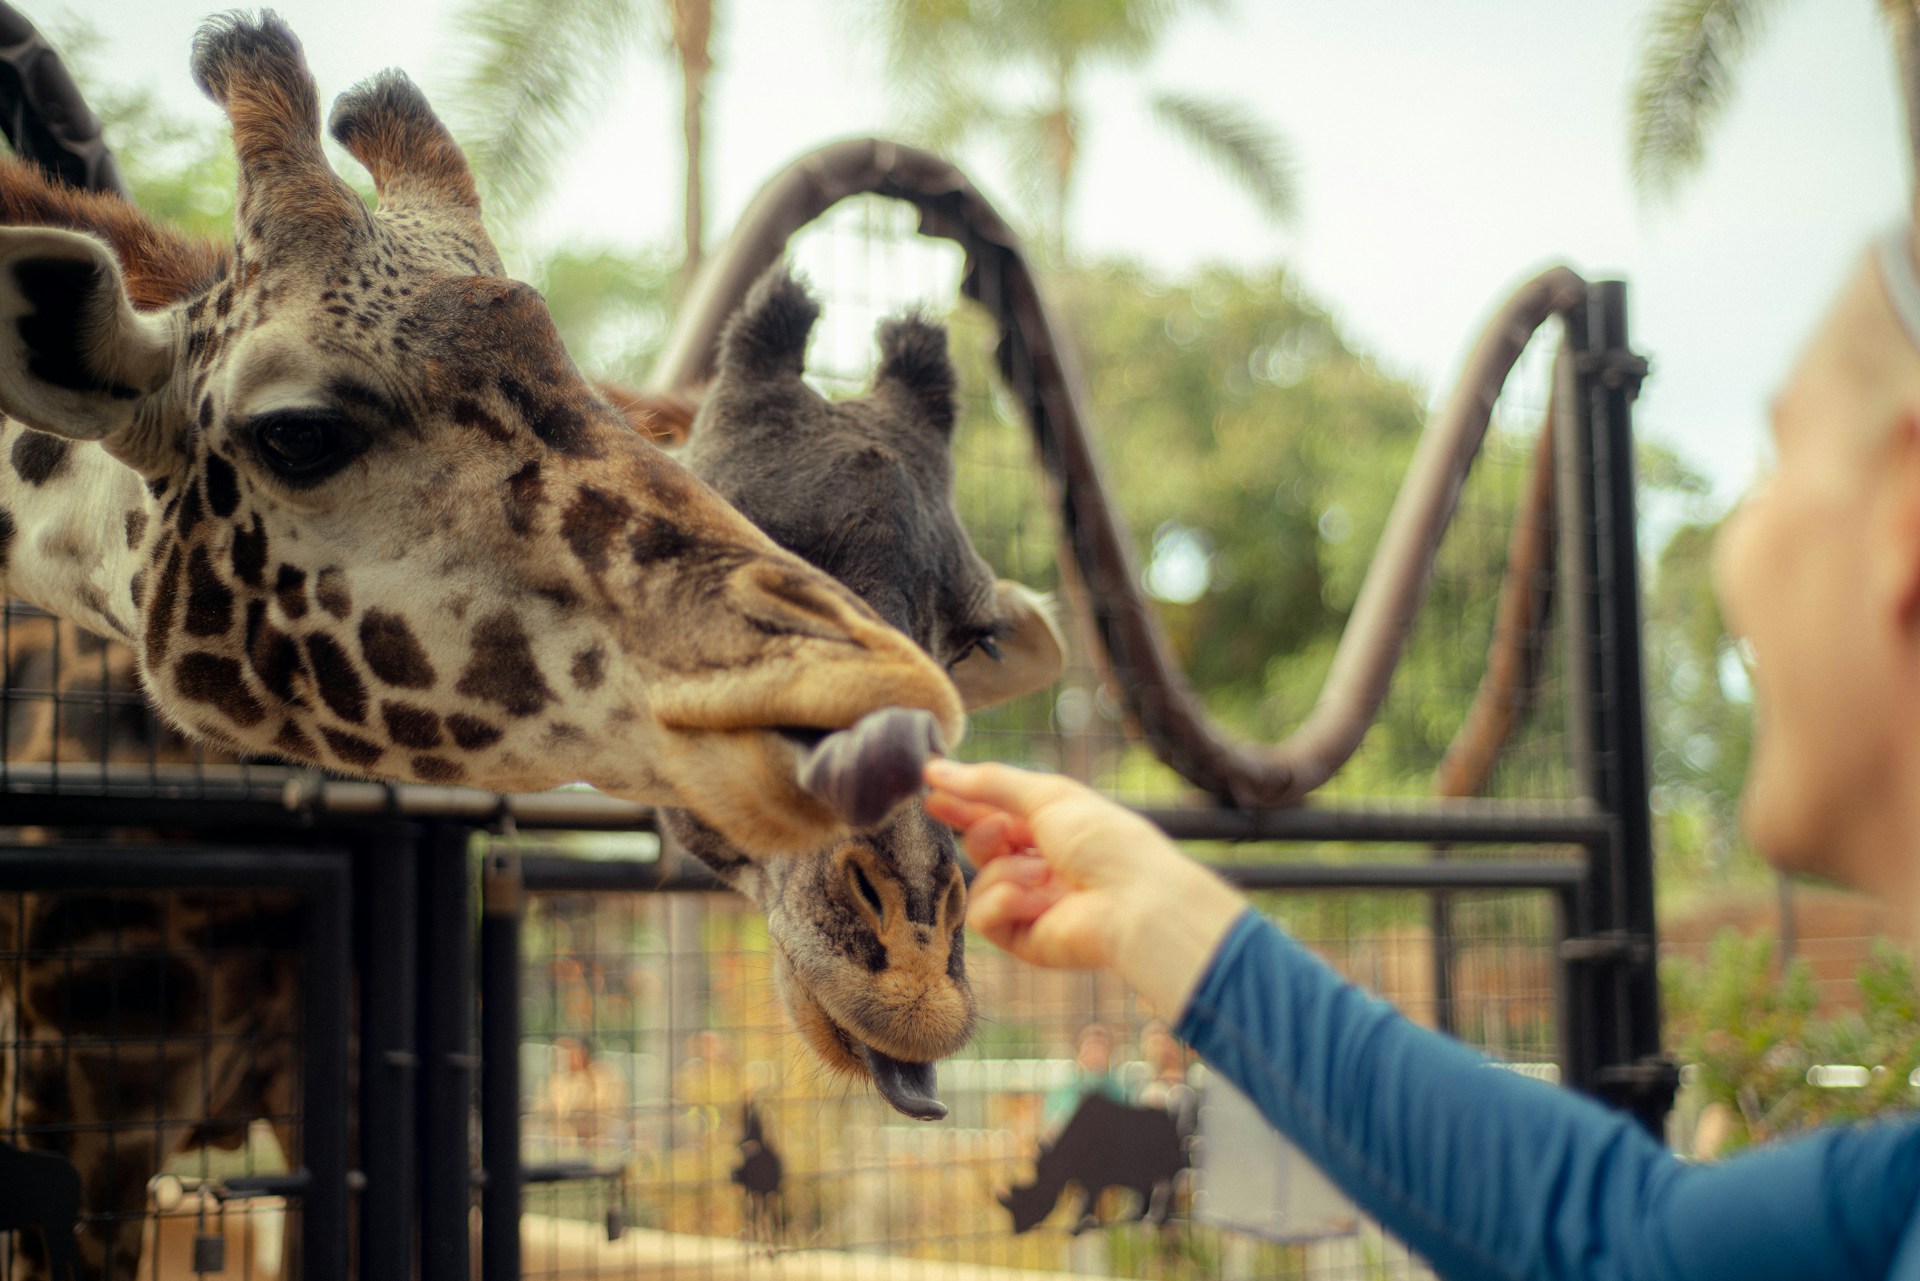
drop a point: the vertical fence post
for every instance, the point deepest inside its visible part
(1614, 1007)
(323, 1118)
(447, 1059)
(503, 899)
(389, 1061)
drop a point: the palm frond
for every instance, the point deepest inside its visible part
(1690, 53)
(534, 70)
(1252, 153)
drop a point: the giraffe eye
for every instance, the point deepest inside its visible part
(303, 446)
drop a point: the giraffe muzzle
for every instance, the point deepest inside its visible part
(866, 771)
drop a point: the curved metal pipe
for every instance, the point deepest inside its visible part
(1039, 367)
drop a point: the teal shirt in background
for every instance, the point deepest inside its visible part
(1491, 1176)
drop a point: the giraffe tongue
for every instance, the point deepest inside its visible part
(864, 771)
(908, 1086)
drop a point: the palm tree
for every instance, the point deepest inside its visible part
(1691, 52)
(1014, 69)
(537, 70)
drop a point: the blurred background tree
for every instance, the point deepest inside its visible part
(1690, 63)
(535, 72)
(1010, 74)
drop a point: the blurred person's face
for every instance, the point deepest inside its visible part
(1818, 572)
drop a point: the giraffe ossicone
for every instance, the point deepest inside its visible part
(347, 497)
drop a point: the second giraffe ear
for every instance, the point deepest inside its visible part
(76, 359)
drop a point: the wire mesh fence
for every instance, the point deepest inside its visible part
(154, 1043)
(658, 1072)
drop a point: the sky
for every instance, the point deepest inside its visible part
(1446, 153)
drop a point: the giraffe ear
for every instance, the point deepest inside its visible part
(1032, 654)
(75, 358)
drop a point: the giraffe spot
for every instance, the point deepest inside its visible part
(209, 600)
(217, 681)
(136, 526)
(293, 741)
(146, 993)
(437, 769)
(271, 653)
(411, 726)
(502, 669)
(160, 616)
(331, 591)
(589, 668)
(39, 457)
(468, 413)
(351, 748)
(223, 301)
(190, 511)
(591, 522)
(472, 733)
(290, 589)
(391, 651)
(340, 685)
(522, 501)
(7, 531)
(658, 540)
(250, 553)
(559, 427)
(223, 487)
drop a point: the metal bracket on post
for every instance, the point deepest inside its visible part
(1643, 1088)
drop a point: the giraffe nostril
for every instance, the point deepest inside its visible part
(866, 890)
(953, 909)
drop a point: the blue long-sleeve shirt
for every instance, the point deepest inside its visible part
(1490, 1175)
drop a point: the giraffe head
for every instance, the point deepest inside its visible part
(380, 522)
(867, 930)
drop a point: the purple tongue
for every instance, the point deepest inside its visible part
(864, 771)
(908, 1086)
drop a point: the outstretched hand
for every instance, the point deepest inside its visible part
(1069, 879)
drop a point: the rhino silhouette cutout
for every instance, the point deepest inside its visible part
(1104, 1145)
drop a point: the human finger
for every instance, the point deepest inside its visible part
(956, 811)
(1002, 786)
(1003, 912)
(996, 836)
(1027, 870)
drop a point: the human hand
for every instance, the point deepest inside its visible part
(1069, 879)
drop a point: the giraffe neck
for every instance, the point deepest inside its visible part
(73, 523)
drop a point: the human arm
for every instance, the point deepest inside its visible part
(1485, 1173)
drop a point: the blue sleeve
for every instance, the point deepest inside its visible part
(1488, 1174)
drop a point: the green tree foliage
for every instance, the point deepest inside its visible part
(1701, 710)
(1013, 73)
(1751, 1034)
(1689, 64)
(535, 72)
